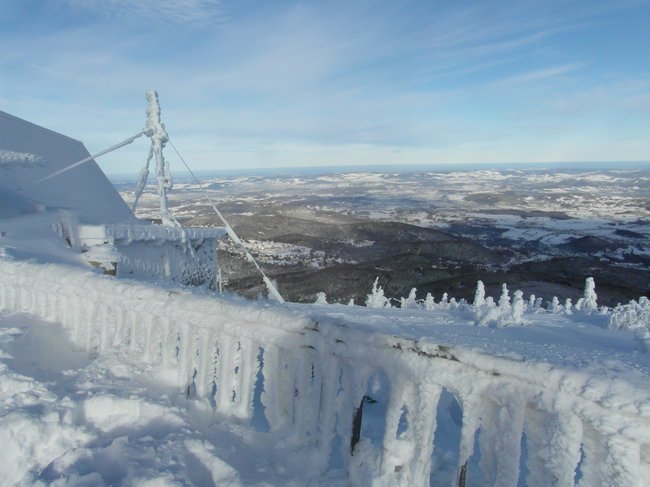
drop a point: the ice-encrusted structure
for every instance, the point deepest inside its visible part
(43, 173)
(29, 152)
(159, 252)
(314, 373)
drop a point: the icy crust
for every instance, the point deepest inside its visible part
(25, 159)
(315, 364)
(137, 232)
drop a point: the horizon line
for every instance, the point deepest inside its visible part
(396, 167)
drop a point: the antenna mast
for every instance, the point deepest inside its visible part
(155, 130)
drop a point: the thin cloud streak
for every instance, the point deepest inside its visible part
(162, 11)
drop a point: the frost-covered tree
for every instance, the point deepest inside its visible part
(444, 302)
(554, 306)
(321, 298)
(568, 306)
(504, 300)
(410, 301)
(531, 303)
(538, 305)
(376, 298)
(479, 295)
(429, 302)
(351, 302)
(590, 302)
(517, 316)
(488, 314)
(634, 316)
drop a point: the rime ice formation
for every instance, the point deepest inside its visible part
(306, 369)
(410, 301)
(429, 302)
(479, 296)
(376, 298)
(589, 304)
(159, 138)
(23, 159)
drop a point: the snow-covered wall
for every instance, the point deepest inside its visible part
(169, 261)
(29, 152)
(315, 375)
(146, 251)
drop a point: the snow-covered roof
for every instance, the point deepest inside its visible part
(29, 152)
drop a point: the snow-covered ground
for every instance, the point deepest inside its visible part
(119, 416)
(74, 419)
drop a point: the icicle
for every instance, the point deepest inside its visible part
(471, 405)
(287, 384)
(224, 389)
(235, 378)
(500, 442)
(271, 372)
(307, 396)
(328, 410)
(393, 452)
(142, 180)
(203, 379)
(553, 442)
(423, 423)
(248, 368)
(611, 461)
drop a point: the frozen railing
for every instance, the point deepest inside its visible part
(313, 379)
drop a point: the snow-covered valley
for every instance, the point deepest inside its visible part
(542, 229)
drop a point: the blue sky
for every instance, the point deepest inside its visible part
(248, 84)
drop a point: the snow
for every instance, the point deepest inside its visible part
(24, 159)
(138, 408)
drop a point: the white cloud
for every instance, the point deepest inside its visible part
(538, 75)
(164, 11)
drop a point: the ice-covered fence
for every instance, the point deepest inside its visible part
(314, 379)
